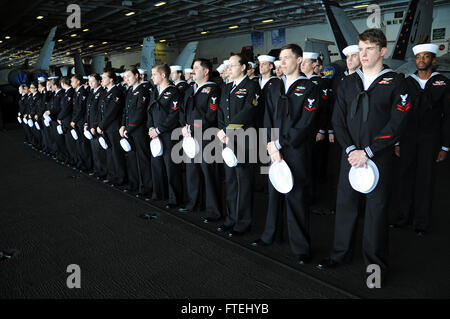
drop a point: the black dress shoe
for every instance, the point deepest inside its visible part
(327, 263)
(106, 181)
(420, 232)
(235, 233)
(303, 259)
(184, 210)
(91, 173)
(397, 226)
(224, 228)
(259, 242)
(170, 206)
(207, 219)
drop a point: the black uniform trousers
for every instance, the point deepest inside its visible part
(27, 132)
(333, 167)
(71, 145)
(319, 162)
(45, 136)
(48, 131)
(36, 138)
(99, 157)
(375, 232)
(84, 153)
(295, 202)
(60, 145)
(239, 196)
(139, 163)
(418, 161)
(202, 178)
(166, 174)
(115, 158)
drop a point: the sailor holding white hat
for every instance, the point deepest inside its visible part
(425, 141)
(110, 115)
(65, 120)
(239, 106)
(200, 113)
(42, 117)
(371, 109)
(92, 120)
(291, 108)
(84, 152)
(162, 118)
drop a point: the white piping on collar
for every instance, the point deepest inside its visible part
(416, 77)
(361, 74)
(301, 77)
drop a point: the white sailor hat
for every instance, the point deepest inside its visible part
(142, 71)
(41, 79)
(174, 68)
(86, 77)
(280, 176)
(220, 68)
(310, 55)
(156, 147)
(229, 157)
(266, 58)
(277, 63)
(74, 134)
(350, 49)
(252, 64)
(117, 74)
(188, 70)
(122, 74)
(125, 144)
(427, 47)
(88, 135)
(364, 180)
(53, 77)
(190, 146)
(103, 142)
(226, 62)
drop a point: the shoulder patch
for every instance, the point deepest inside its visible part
(439, 83)
(206, 90)
(386, 81)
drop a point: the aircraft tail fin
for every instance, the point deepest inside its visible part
(416, 29)
(43, 62)
(148, 53)
(319, 46)
(343, 29)
(187, 56)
